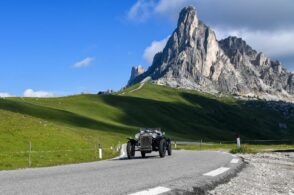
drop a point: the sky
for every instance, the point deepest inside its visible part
(62, 47)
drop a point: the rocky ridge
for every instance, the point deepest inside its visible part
(136, 71)
(193, 58)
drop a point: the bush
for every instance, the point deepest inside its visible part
(243, 150)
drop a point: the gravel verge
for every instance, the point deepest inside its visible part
(265, 173)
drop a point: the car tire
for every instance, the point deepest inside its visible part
(169, 149)
(130, 150)
(143, 154)
(162, 148)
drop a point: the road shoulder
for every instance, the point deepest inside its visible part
(266, 173)
(208, 180)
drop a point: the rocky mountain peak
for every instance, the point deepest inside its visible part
(136, 71)
(194, 59)
(232, 45)
(188, 17)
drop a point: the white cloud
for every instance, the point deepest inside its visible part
(39, 94)
(229, 13)
(4, 94)
(141, 10)
(269, 28)
(272, 43)
(172, 8)
(154, 48)
(84, 63)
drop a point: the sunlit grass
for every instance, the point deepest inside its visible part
(84, 121)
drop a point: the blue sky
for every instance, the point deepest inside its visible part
(62, 47)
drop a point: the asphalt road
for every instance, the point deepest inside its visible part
(181, 171)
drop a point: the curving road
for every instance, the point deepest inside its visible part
(153, 175)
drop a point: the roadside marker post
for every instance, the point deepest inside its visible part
(100, 151)
(175, 145)
(238, 142)
(30, 153)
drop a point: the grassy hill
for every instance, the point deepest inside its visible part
(71, 127)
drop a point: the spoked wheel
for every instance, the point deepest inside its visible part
(162, 148)
(130, 150)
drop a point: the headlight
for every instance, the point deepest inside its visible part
(137, 136)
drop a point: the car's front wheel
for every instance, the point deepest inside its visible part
(130, 150)
(162, 148)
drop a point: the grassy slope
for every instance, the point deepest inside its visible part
(80, 122)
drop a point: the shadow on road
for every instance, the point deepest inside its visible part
(138, 157)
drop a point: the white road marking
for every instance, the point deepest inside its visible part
(235, 160)
(153, 191)
(216, 171)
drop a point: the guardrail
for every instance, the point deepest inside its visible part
(211, 142)
(238, 142)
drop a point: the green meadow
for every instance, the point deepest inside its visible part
(68, 129)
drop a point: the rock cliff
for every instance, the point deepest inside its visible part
(136, 71)
(193, 58)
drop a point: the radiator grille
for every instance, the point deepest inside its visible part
(146, 141)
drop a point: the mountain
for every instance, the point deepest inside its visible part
(136, 71)
(193, 58)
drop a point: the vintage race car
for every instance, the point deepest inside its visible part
(148, 140)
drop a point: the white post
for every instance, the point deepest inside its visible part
(30, 153)
(238, 142)
(175, 145)
(100, 151)
(118, 147)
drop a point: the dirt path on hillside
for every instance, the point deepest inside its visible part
(138, 88)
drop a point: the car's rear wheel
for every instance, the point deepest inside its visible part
(169, 149)
(143, 154)
(162, 148)
(130, 150)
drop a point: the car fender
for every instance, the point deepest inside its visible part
(133, 141)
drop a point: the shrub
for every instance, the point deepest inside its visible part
(243, 150)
